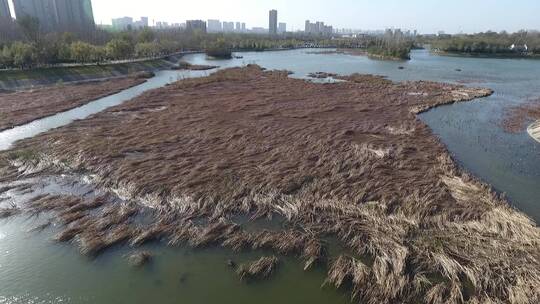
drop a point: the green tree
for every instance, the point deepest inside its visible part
(146, 35)
(82, 52)
(6, 57)
(147, 49)
(23, 55)
(119, 49)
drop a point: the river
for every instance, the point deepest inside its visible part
(33, 269)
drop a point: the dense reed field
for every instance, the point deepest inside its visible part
(347, 160)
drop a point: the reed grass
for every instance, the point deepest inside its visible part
(331, 160)
(259, 269)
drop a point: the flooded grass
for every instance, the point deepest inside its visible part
(348, 161)
(519, 117)
(260, 269)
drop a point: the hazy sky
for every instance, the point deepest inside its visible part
(425, 15)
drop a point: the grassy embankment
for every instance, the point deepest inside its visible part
(14, 79)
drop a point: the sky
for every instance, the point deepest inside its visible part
(427, 16)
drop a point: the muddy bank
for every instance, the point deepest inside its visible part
(17, 108)
(182, 65)
(348, 160)
(519, 117)
(354, 52)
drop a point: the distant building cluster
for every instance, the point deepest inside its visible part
(216, 26)
(167, 25)
(53, 15)
(399, 33)
(318, 28)
(127, 23)
(196, 25)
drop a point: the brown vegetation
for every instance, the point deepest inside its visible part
(18, 108)
(517, 117)
(139, 259)
(348, 160)
(260, 269)
(9, 211)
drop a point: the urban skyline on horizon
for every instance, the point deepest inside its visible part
(259, 19)
(422, 15)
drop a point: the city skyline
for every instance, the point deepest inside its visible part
(425, 15)
(422, 15)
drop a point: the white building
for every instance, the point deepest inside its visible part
(318, 28)
(122, 24)
(282, 28)
(127, 23)
(214, 26)
(228, 27)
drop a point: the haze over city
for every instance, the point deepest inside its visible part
(424, 15)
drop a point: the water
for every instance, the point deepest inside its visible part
(34, 270)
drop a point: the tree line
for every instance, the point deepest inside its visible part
(519, 43)
(28, 47)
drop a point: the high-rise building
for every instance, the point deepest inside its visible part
(143, 22)
(68, 15)
(273, 24)
(243, 27)
(318, 28)
(74, 14)
(282, 28)
(5, 13)
(238, 26)
(193, 25)
(42, 10)
(122, 24)
(228, 27)
(214, 26)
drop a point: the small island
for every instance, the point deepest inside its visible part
(219, 50)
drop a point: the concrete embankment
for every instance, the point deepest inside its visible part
(534, 130)
(24, 79)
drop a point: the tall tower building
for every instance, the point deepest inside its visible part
(64, 15)
(5, 13)
(74, 14)
(42, 10)
(273, 25)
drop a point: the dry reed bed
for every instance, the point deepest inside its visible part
(260, 269)
(349, 160)
(517, 117)
(18, 108)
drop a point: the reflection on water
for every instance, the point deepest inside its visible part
(34, 270)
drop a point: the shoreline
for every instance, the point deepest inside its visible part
(484, 55)
(534, 130)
